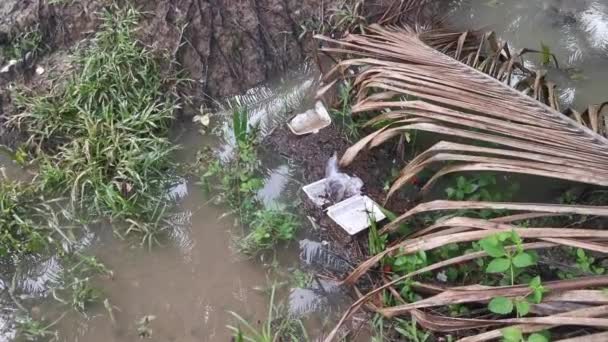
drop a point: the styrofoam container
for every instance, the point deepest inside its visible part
(316, 192)
(310, 121)
(353, 214)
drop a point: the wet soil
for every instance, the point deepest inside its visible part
(225, 46)
(311, 152)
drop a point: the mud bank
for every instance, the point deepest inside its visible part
(225, 46)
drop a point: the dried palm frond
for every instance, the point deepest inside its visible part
(595, 117)
(464, 229)
(414, 87)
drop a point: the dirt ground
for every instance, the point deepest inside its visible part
(311, 153)
(225, 46)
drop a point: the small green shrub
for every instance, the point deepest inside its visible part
(268, 228)
(483, 187)
(513, 334)
(504, 259)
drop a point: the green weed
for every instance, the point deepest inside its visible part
(279, 326)
(504, 305)
(34, 330)
(513, 334)
(342, 115)
(301, 279)
(268, 228)
(513, 261)
(26, 41)
(409, 330)
(483, 187)
(102, 139)
(26, 220)
(237, 182)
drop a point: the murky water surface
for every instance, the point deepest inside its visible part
(576, 31)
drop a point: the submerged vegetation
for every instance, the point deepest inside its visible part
(236, 182)
(278, 326)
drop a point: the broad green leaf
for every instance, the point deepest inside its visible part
(580, 253)
(498, 265)
(512, 334)
(522, 307)
(536, 337)
(461, 182)
(450, 192)
(501, 305)
(492, 246)
(504, 236)
(535, 282)
(523, 259)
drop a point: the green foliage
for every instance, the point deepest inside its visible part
(83, 294)
(268, 228)
(237, 181)
(504, 306)
(279, 326)
(586, 263)
(301, 279)
(376, 242)
(513, 334)
(545, 54)
(28, 222)
(501, 305)
(409, 330)
(483, 187)
(34, 330)
(507, 259)
(103, 138)
(27, 40)
(342, 115)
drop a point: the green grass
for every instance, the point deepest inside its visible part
(102, 140)
(268, 228)
(27, 40)
(278, 326)
(28, 222)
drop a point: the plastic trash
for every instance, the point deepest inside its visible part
(311, 121)
(338, 185)
(354, 214)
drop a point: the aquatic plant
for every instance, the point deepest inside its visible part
(28, 222)
(278, 326)
(268, 228)
(237, 181)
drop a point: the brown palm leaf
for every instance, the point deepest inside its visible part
(415, 87)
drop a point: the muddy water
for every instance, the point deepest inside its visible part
(575, 31)
(190, 283)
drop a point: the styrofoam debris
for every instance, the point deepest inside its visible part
(316, 192)
(310, 121)
(354, 214)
